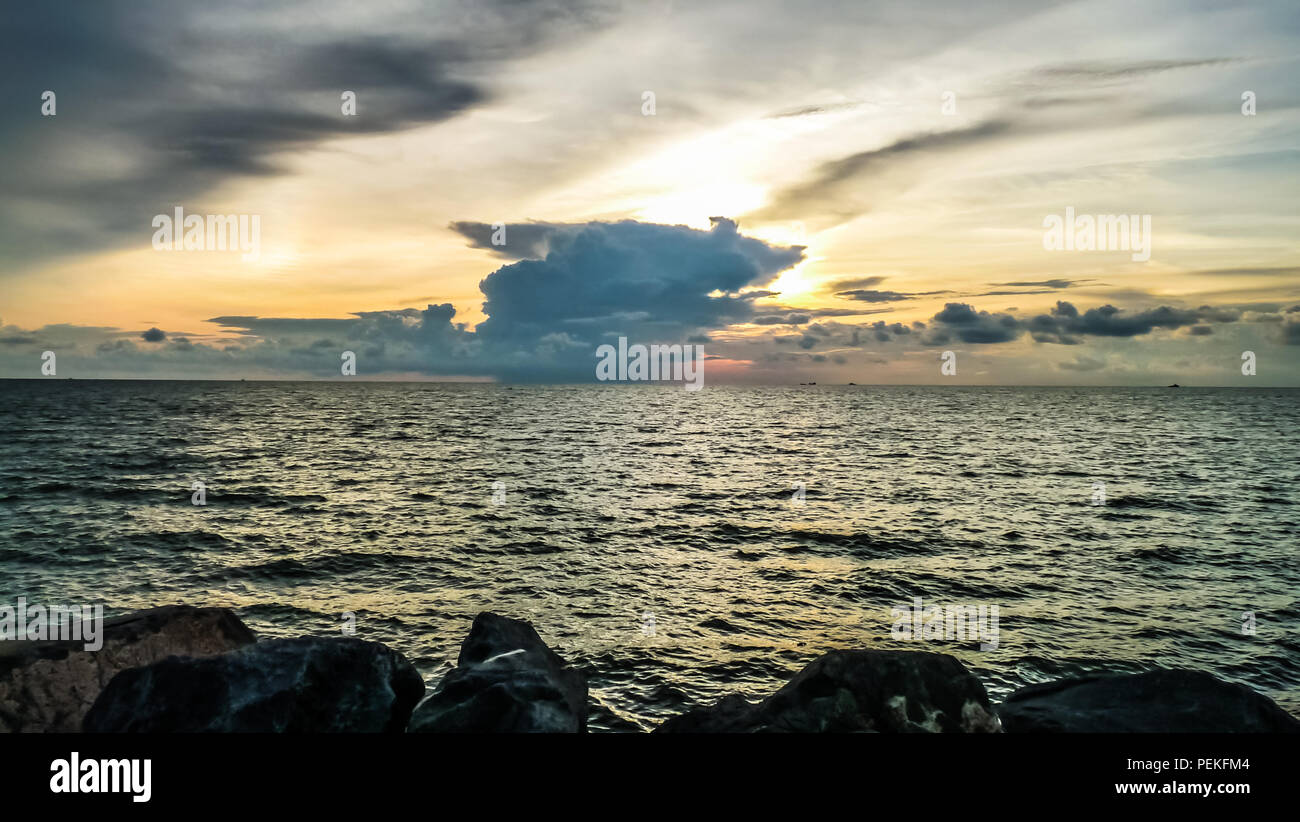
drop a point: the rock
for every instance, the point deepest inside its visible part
(884, 691)
(49, 686)
(1160, 701)
(731, 714)
(506, 680)
(305, 685)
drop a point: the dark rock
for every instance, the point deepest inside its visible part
(506, 680)
(731, 714)
(845, 691)
(306, 685)
(49, 686)
(1160, 701)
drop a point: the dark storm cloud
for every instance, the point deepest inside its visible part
(195, 103)
(1066, 325)
(631, 278)
(154, 335)
(968, 325)
(1065, 321)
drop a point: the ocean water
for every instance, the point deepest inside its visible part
(653, 535)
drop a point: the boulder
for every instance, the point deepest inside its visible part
(49, 686)
(848, 691)
(305, 685)
(506, 680)
(1159, 701)
(731, 714)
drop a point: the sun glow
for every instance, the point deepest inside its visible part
(695, 205)
(795, 284)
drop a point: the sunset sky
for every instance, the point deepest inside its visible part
(824, 191)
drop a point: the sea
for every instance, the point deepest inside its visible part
(677, 546)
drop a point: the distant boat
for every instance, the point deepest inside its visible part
(1175, 385)
(853, 383)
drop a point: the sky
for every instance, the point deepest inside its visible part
(824, 191)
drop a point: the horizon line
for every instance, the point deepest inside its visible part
(635, 383)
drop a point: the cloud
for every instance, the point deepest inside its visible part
(631, 278)
(849, 285)
(1272, 271)
(968, 325)
(522, 241)
(1290, 333)
(1065, 322)
(171, 104)
(823, 312)
(1104, 72)
(545, 317)
(869, 296)
(1082, 363)
(820, 108)
(835, 188)
(1043, 283)
(882, 331)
